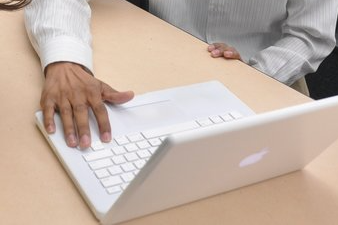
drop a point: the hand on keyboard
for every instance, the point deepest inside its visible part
(71, 90)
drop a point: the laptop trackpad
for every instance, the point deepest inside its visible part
(140, 116)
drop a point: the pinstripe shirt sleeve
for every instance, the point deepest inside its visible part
(308, 37)
(60, 31)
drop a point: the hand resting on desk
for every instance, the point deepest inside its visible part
(222, 50)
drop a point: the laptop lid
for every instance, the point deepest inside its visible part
(205, 162)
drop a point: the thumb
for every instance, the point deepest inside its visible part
(115, 97)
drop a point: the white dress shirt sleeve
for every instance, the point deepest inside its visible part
(308, 37)
(60, 31)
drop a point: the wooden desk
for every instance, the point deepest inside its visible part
(134, 50)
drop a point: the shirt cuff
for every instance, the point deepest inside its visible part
(64, 48)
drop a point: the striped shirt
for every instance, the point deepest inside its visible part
(285, 39)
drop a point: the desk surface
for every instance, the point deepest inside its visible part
(134, 50)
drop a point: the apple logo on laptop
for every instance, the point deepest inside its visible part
(254, 158)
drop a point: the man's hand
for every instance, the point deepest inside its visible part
(71, 90)
(222, 50)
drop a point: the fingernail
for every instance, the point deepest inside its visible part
(129, 93)
(216, 52)
(50, 128)
(211, 47)
(228, 54)
(85, 141)
(106, 137)
(71, 140)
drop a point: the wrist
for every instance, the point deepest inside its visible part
(64, 65)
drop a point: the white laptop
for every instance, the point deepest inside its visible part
(182, 144)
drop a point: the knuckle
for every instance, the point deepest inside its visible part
(80, 108)
(99, 108)
(93, 89)
(68, 126)
(104, 128)
(83, 129)
(66, 110)
(69, 129)
(48, 122)
(43, 102)
(46, 98)
(48, 109)
(65, 93)
(47, 105)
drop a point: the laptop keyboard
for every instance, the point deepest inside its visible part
(116, 164)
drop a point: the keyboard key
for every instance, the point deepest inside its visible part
(216, 119)
(127, 167)
(227, 117)
(236, 115)
(99, 164)
(204, 122)
(98, 155)
(170, 129)
(135, 137)
(143, 154)
(102, 173)
(139, 163)
(143, 144)
(124, 186)
(97, 145)
(127, 177)
(119, 159)
(111, 181)
(131, 147)
(131, 157)
(155, 142)
(118, 150)
(121, 140)
(114, 170)
(114, 190)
